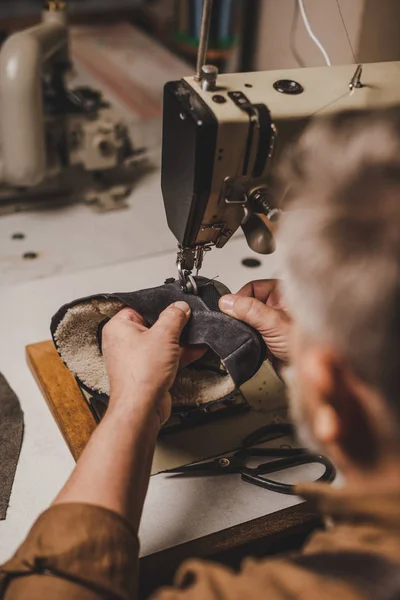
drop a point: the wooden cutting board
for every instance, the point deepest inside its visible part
(63, 395)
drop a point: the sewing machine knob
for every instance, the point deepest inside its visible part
(261, 201)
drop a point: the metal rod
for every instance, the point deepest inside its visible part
(204, 34)
(356, 79)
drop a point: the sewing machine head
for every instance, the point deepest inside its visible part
(223, 133)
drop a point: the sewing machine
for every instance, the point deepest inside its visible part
(56, 141)
(222, 134)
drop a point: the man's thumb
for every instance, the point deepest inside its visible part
(172, 320)
(250, 310)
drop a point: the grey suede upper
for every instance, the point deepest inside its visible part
(240, 347)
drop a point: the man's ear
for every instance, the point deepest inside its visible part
(338, 407)
(318, 373)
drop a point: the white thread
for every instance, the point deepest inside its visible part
(312, 34)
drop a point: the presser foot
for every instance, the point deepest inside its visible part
(187, 261)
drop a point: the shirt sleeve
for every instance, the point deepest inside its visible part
(74, 551)
(271, 579)
(200, 580)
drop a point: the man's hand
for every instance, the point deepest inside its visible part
(259, 304)
(142, 363)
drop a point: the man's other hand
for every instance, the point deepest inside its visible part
(260, 304)
(142, 363)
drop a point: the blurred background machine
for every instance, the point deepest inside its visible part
(55, 139)
(61, 142)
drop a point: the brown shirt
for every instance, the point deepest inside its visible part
(85, 552)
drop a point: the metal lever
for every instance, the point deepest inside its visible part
(356, 79)
(258, 233)
(204, 35)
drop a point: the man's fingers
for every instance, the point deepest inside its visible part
(172, 320)
(251, 311)
(265, 290)
(128, 314)
(192, 353)
(260, 289)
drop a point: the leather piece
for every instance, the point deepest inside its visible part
(239, 346)
(11, 433)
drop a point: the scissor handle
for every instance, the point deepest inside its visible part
(268, 433)
(255, 475)
(246, 453)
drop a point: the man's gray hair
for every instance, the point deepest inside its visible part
(340, 241)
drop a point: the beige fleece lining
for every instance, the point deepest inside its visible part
(76, 338)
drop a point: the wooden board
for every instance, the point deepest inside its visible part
(76, 422)
(63, 396)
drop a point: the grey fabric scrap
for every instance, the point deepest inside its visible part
(11, 432)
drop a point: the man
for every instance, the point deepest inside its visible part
(340, 243)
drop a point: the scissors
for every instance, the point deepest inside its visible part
(286, 458)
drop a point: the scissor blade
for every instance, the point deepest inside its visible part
(206, 467)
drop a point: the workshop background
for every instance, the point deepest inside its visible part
(54, 249)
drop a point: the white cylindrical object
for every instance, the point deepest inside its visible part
(21, 101)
